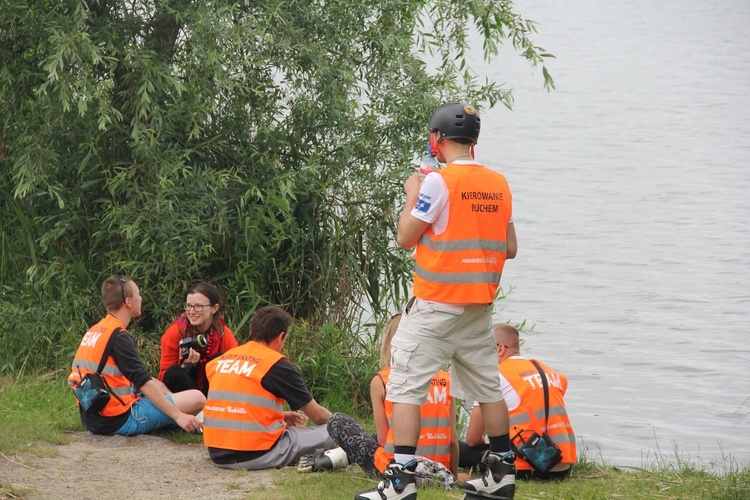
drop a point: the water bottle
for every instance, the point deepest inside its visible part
(429, 164)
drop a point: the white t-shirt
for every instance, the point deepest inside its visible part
(432, 204)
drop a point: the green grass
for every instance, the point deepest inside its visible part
(39, 410)
(291, 485)
(42, 411)
(588, 481)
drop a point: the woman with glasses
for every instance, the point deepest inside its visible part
(194, 339)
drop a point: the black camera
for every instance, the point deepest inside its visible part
(198, 342)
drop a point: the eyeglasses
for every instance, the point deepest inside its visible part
(122, 286)
(196, 307)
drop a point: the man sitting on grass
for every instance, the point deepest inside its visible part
(245, 426)
(524, 393)
(138, 403)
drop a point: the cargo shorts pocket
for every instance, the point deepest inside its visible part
(401, 354)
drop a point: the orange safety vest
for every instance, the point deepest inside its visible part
(435, 436)
(529, 416)
(463, 264)
(239, 413)
(87, 359)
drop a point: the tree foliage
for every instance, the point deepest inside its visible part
(257, 144)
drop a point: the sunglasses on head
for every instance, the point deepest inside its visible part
(122, 286)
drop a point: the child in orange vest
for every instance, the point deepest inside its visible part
(438, 444)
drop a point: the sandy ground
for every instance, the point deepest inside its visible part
(117, 467)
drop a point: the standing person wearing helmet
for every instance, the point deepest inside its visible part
(459, 218)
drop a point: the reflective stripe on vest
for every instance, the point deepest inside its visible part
(524, 417)
(529, 416)
(435, 435)
(464, 264)
(239, 413)
(87, 359)
(459, 278)
(454, 246)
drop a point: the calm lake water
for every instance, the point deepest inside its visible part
(631, 186)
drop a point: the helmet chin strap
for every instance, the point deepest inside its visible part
(472, 152)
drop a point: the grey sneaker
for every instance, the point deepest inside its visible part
(398, 483)
(497, 482)
(332, 459)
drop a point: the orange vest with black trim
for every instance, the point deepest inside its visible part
(435, 436)
(529, 416)
(239, 413)
(87, 359)
(463, 264)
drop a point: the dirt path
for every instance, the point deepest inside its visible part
(117, 467)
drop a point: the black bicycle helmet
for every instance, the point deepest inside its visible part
(456, 120)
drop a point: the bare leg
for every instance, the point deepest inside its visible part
(191, 401)
(496, 420)
(406, 424)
